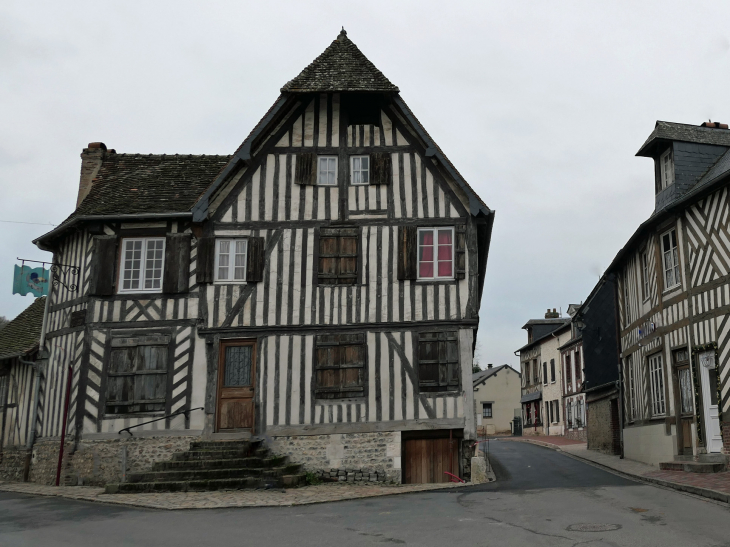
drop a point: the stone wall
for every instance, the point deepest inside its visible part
(367, 454)
(99, 462)
(577, 434)
(12, 463)
(602, 426)
(725, 428)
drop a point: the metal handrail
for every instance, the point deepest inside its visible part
(127, 429)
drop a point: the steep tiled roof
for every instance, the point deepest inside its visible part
(341, 67)
(138, 183)
(671, 131)
(22, 334)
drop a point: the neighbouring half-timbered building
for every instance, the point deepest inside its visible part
(674, 299)
(319, 288)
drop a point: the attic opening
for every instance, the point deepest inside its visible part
(362, 108)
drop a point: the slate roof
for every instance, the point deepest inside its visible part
(482, 375)
(670, 131)
(549, 321)
(22, 334)
(558, 327)
(146, 183)
(341, 67)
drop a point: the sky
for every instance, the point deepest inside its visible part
(540, 105)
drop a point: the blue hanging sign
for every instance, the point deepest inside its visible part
(31, 280)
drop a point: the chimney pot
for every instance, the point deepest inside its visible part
(97, 145)
(489, 365)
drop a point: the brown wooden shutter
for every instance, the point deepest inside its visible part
(459, 252)
(177, 264)
(407, 253)
(103, 266)
(306, 169)
(256, 258)
(381, 168)
(205, 258)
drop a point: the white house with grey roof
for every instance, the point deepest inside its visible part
(497, 393)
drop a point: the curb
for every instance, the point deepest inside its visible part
(715, 495)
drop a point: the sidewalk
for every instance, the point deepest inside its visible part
(715, 486)
(226, 498)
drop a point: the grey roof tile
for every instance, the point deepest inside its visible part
(22, 334)
(671, 131)
(341, 67)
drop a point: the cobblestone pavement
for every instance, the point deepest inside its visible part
(710, 485)
(227, 498)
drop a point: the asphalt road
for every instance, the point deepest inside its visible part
(541, 498)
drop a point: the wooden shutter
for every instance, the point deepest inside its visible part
(103, 266)
(306, 169)
(381, 168)
(407, 253)
(459, 252)
(177, 264)
(255, 258)
(205, 257)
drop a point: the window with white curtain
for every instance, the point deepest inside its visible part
(230, 259)
(670, 258)
(656, 377)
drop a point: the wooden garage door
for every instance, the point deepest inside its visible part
(426, 460)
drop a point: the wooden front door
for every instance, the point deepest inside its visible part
(236, 380)
(427, 460)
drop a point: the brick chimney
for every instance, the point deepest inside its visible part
(714, 125)
(551, 314)
(91, 159)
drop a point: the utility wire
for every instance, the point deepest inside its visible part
(35, 223)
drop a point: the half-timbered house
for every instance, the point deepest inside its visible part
(674, 299)
(319, 288)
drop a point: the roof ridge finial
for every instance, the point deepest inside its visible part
(343, 34)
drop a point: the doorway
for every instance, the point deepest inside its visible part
(427, 459)
(708, 380)
(236, 381)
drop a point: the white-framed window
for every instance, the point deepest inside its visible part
(435, 253)
(141, 264)
(656, 377)
(230, 259)
(327, 170)
(360, 169)
(631, 381)
(670, 259)
(645, 272)
(666, 168)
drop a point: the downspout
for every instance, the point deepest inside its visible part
(39, 367)
(620, 381)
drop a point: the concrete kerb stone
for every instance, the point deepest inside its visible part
(226, 499)
(695, 490)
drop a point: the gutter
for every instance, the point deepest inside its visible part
(39, 242)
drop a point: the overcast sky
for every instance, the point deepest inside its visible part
(540, 105)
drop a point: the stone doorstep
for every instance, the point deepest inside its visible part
(307, 495)
(696, 490)
(692, 467)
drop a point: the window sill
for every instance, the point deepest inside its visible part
(441, 281)
(226, 282)
(672, 289)
(133, 293)
(351, 400)
(134, 415)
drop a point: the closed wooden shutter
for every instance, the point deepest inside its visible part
(177, 264)
(381, 168)
(407, 253)
(338, 251)
(205, 258)
(460, 252)
(306, 169)
(103, 266)
(256, 258)
(340, 366)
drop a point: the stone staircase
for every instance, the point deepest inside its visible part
(707, 463)
(215, 465)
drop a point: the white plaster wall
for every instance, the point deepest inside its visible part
(650, 444)
(199, 377)
(552, 391)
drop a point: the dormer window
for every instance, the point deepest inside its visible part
(666, 169)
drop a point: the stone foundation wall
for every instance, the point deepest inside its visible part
(725, 428)
(364, 454)
(99, 462)
(577, 434)
(12, 463)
